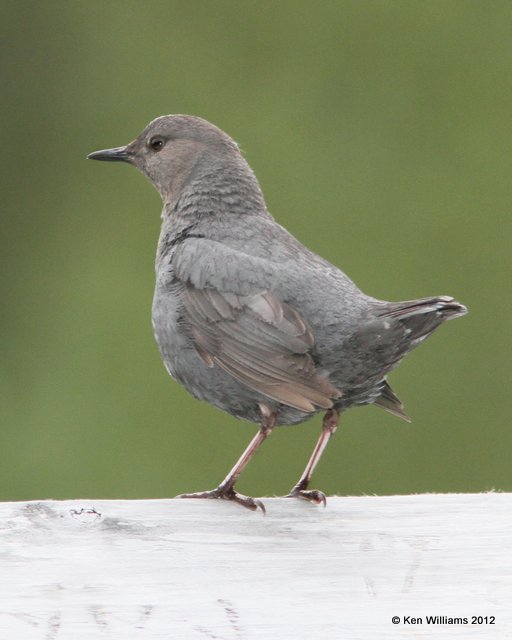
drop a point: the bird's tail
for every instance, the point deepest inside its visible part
(419, 318)
(389, 401)
(423, 316)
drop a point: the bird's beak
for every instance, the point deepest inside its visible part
(119, 154)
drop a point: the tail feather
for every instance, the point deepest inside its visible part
(410, 322)
(390, 402)
(444, 305)
(423, 316)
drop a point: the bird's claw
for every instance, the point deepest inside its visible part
(220, 493)
(313, 495)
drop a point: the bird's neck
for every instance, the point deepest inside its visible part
(214, 192)
(216, 187)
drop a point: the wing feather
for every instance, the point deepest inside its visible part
(260, 341)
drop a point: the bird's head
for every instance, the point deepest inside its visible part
(171, 148)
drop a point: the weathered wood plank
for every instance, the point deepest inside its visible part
(203, 569)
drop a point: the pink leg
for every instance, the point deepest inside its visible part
(225, 490)
(329, 426)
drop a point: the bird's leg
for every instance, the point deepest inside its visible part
(225, 490)
(329, 426)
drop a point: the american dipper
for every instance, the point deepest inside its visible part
(245, 316)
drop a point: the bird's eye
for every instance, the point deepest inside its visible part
(156, 143)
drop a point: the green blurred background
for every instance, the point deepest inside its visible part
(380, 132)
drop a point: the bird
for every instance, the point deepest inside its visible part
(246, 317)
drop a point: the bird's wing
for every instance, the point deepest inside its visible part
(261, 342)
(248, 332)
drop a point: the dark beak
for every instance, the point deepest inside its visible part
(118, 154)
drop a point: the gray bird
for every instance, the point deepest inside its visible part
(245, 316)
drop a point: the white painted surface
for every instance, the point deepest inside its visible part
(187, 569)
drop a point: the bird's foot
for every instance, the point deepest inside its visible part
(222, 493)
(313, 495)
